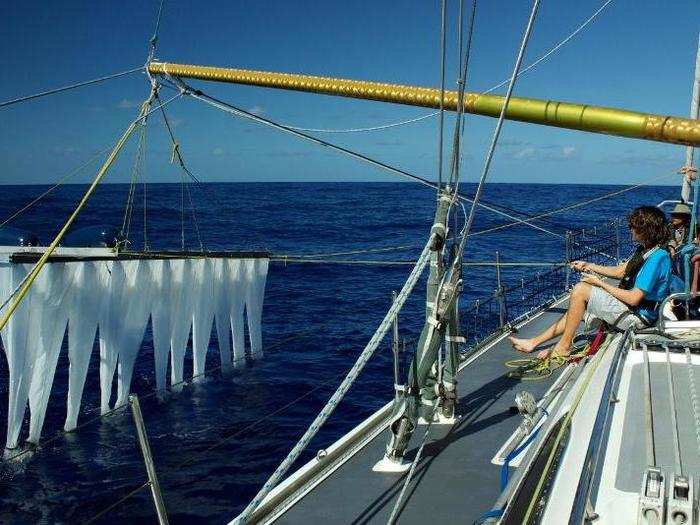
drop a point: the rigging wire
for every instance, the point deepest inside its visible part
(497, 130)
(194, 218)
(448, 276)
(575, 205)
(114, 505)
(135, 173)
(177, 154)
(231, 109)
(70, 86)
(60, 182)
(441, 124)
(461, 86)
(154, 38)
(524, 70)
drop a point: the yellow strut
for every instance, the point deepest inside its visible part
(582, 117)
(32, 275)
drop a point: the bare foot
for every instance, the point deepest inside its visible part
(557, 351)
(522, 345)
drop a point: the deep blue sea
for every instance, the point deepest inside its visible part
(210, 448)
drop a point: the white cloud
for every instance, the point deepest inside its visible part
(526, 153)
(217, 152)
(568, 151)
(125, 103)
(64, 151)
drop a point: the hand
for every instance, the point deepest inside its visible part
(690, 172)
(580, 266)
(591, 279)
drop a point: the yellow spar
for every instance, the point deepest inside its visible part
(583, 117)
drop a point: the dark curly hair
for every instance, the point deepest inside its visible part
(650, 224)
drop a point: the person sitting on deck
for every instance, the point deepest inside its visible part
(680, 226)
(645, 282)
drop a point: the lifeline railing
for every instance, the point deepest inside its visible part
(488, 317)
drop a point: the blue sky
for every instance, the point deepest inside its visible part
(638, 55)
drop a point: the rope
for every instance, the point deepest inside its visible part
(255, 423)
(69, 87)
(145, 223)
(461, 86)
(286, 259)
(135, 172)
(565, 424)
(494, 139)
(441, 125)
(490, 90)
(182, 208)
(342, 389)
(516, 451)
(534, 369)
(61, 181)
(117, 503)
(575, 205)
(194, 218)
(353, 252)
(83, 201)
(554, 49)
(177, 154)
(395, 511)
(61, 433)
(231, 109)
(154, 38)
(693, 396)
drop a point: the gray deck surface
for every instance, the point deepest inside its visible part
(455, 481)
(633, 461)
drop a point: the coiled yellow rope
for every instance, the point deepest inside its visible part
(535, 369)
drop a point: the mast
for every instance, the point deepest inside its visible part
(582, 117)
(694, 113)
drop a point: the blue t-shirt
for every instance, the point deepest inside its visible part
(654, 279)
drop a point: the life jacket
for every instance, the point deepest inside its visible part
(634, 265)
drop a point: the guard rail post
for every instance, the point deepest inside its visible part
(567, 256)
(395, 345)
(502, 312)
(148, 460)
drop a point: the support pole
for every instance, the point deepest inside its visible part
(32, 275)
(567, 249)
(502, 314)
(148, 460)
(422, 376)
(395, 346)
(694, 113)
(583, 117)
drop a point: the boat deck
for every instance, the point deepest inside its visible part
(642, 429)
(455, 480)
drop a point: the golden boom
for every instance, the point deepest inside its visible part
(583, 117)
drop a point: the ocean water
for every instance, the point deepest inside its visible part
(215, 442)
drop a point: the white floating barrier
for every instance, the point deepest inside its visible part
(90, 291)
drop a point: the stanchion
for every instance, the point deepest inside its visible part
(148, 460)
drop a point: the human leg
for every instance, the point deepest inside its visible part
(577, 302)
(529, 344)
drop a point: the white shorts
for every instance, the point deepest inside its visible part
(603, 306)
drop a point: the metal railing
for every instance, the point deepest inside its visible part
(152, 481)
(489, 316)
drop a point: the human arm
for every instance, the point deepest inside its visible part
(630, 297)
(616, 271)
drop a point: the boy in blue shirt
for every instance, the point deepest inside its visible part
(645, 282)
